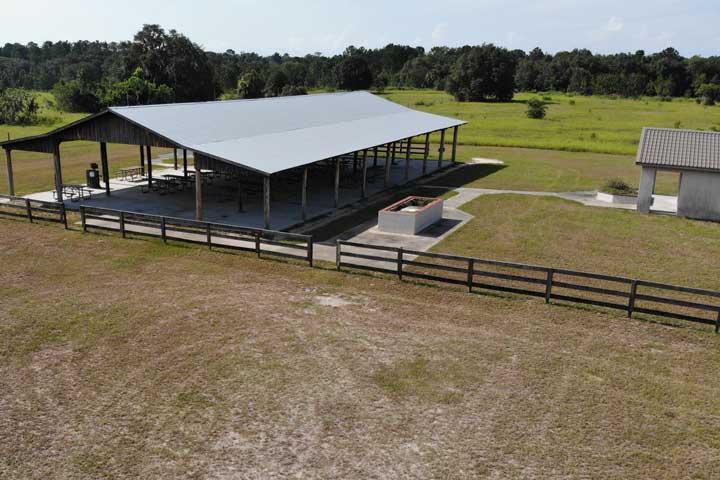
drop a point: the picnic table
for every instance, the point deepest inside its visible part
(131, 173)
(75, 192)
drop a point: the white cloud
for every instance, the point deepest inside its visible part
(615, 24)
(439, 32)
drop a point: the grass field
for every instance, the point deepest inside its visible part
(565, 234)
(591, 124)
(127, 358)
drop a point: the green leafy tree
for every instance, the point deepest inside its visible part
(77, 96)
(136, 90)
(536, 108)
(275, 83)
(709, 93)
(18, 107)
(353, 73)
(250, 85)
(483, 73)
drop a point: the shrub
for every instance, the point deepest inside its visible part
(677, 124)
(18, 107)
(618, 186)
(536, 108)
(291, 90)
(251, 85)
(709, 93)
(572, 102)
(76, 96)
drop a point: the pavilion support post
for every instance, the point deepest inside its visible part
(58, 172)
(394, 152)
(149, 167)
(105, 167)
(185, 171)
(266, 201)
(387, 168)
(441, 151)
(363, 190)
(304, 193)
(426, 154)
(175, 158)
(355, 163)
(198, 194)
(455, 144)
(241, 208)
(8, 166)
(337, 183)
(407, 160)
(375, 155)
(142, 160)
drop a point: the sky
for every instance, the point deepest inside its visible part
(309, 26)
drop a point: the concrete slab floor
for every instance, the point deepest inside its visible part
(220, 198)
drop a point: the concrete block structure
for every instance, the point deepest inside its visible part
(693, 154)
(411, 215)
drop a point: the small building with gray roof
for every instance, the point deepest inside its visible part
(696, 156)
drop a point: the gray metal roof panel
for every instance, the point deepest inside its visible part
(272, 135)
(674, 148)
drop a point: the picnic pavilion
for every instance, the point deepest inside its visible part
(316, 152)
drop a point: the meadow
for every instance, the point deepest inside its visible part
(241, 366)
(573, 123)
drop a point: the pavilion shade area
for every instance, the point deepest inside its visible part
(344, 137)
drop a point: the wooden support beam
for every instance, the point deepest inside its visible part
(375, 155)
(266, 201)
(441, 151)
(355, 163)
(105, 167)
(394, 152)
(387, 168)
(149, 166)
(185, 171)
(241, 208)
(198, 193)
(304, 193)
(427, 153)
(149, 158)
(407, 160)
(8, 166)
(58, 172)
(363, 189)
(337, 183)
(175, 157)
(455, 144)
(142, 160)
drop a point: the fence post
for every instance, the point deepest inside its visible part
(63, 215)
(400, 263)
(82, 218)
(122, 224)
(163, 230)
(257, 244)
(28, 208)
(338, 254)
(631, 300)
(717, 323)
(548, 284)
(209, 239)
(310, 251)
(470, 274)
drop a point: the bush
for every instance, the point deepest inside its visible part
(18, 107)
(618, 186)
(292, 90)
(709, 93)
(536, 108)
(76, 96)
(251, 85)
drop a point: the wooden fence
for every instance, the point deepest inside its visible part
(268, 242)
(33, 210)
(620, 293)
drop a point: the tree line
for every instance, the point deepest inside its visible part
(160, 66)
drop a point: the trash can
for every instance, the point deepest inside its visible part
(92, 176)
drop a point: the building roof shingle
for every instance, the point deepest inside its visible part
(679, 149)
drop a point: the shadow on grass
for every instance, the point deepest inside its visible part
(467, 174)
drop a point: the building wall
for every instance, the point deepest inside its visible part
(699, 196)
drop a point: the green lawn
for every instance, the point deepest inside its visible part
(132, 359)
(548, 170)
(591, 124)
(565, 234)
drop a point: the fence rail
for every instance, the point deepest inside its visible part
(33, 210)
(589, 288)
(220, 235)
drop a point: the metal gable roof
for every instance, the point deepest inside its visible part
(276, 134)
(681, 149)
